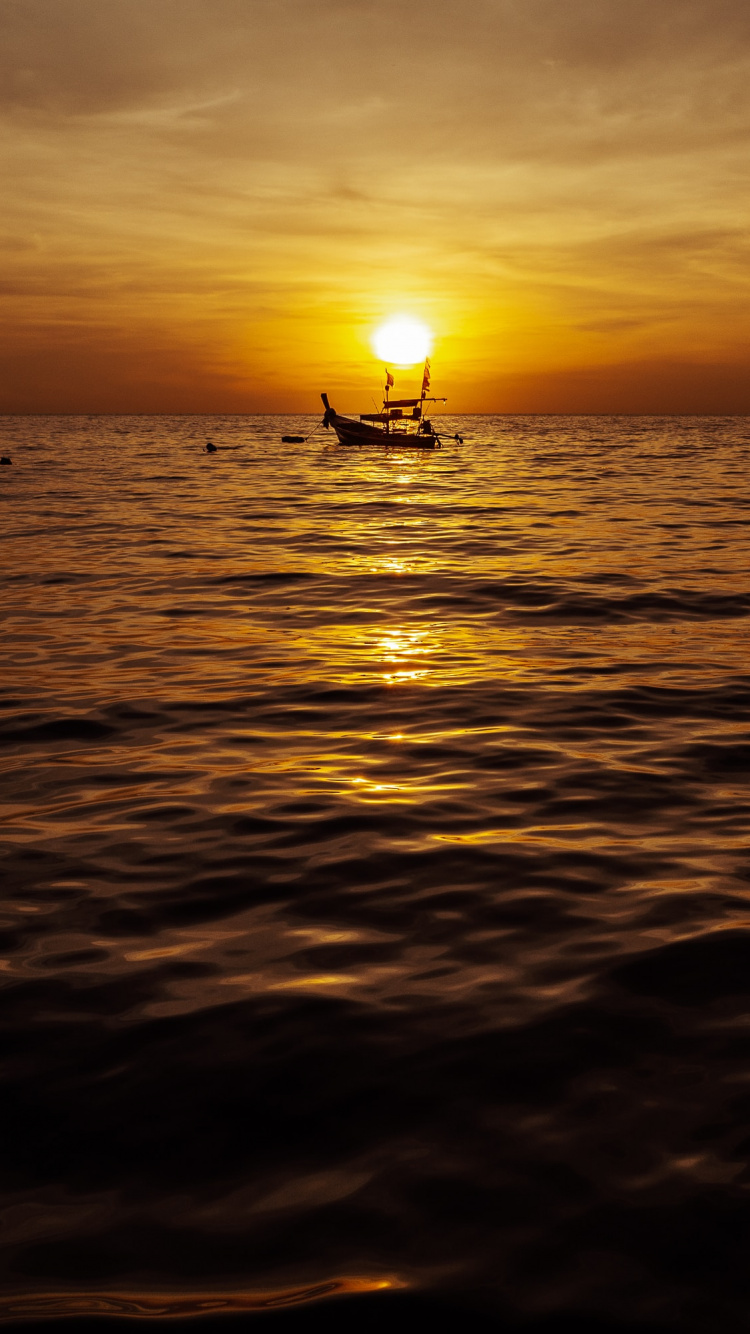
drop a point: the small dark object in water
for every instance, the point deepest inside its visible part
(210, 447)
(293, 439)
(5, 459)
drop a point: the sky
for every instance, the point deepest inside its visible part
(210, 205)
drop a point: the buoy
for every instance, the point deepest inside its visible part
(5, 459)
(210, 447)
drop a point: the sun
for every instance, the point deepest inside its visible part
(402, 341)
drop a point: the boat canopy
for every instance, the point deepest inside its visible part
(402, 402)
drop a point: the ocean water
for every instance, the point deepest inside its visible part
(376, 874)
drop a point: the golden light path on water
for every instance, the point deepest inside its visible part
(173, 1305)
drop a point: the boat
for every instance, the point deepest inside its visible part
(401, 424)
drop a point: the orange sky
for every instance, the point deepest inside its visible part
(210, 204)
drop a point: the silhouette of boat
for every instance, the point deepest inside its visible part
(400, 425)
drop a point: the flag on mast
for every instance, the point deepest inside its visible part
(388, 380)
(426, 376)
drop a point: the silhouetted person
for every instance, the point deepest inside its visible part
(210, 447)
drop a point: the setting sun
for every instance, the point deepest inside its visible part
(402, 341)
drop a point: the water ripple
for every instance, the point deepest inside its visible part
(376, 869)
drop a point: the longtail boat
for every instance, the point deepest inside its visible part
(400, 425)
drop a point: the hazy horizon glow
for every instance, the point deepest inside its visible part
(211, 207)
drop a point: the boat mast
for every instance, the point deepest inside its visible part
(425, 386)
(388, 383)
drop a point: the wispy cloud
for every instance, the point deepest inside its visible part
(556, 188)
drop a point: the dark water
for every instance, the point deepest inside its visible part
(377, 873)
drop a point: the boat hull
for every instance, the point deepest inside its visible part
(352, 432)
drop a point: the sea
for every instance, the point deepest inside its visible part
(376, 876)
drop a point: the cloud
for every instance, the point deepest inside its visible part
(522, 173)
